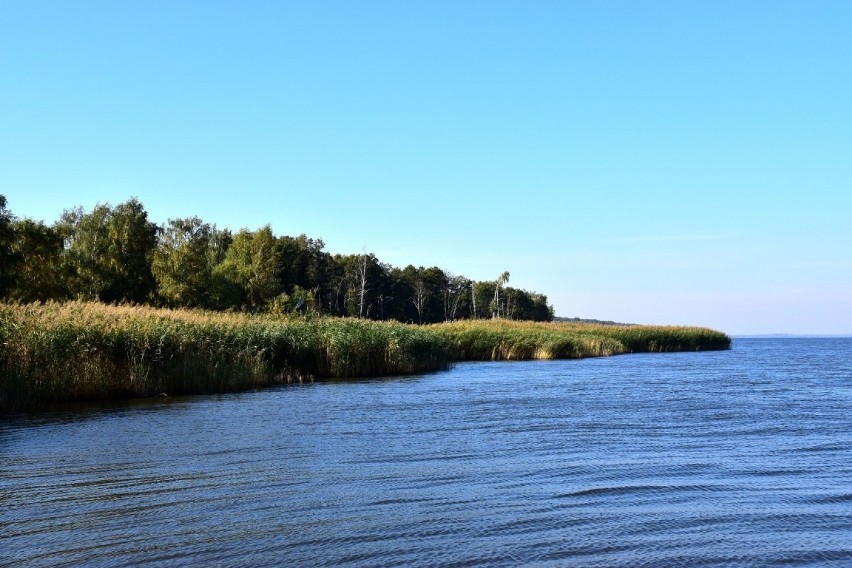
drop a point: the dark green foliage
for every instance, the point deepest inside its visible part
(305, 272)
(8, 257)
(38, 274)
(250, 264)
(523, 305)
(183, 263)
(115, 254)
(109, 251)
(423, 288)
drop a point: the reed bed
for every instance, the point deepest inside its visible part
(86, 351)
(507, 340)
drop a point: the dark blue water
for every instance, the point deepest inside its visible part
(741, 457)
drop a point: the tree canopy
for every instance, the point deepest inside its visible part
(116, 254)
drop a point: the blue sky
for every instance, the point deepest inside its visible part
(653, 162)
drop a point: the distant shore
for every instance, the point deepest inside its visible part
(78, 351)
(793, 336)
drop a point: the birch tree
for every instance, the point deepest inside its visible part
(361, 283)
(453, 293)
(419, 297)
(501, 281)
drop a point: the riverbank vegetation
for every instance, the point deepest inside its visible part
(76, 351)
(85, 351)
(115, 254)
(509, 340)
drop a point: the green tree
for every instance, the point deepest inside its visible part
(304, 271)
(530, 306)
(133, 239)
(85, 237)
(482, 296)
(8, 256)
(183, 264)
(109, 252)
(38, 273)
(250, 264)
(117, 254)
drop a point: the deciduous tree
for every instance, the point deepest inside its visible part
(250, 264)
(182, 263)
(109, 252)
(38, 272)
(8, 257)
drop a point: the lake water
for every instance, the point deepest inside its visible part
(741, 457)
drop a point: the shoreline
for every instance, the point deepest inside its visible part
(79, 351)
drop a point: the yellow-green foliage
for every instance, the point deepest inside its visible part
(82, 351)
(501, 339)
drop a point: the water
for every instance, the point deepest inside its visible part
(741, 457)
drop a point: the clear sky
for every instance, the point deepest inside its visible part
(676, 162)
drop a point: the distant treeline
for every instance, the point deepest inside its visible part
(591, 321)
(114, 254)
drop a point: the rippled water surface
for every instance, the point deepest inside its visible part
(724, 458)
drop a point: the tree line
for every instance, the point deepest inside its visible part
(115, 254)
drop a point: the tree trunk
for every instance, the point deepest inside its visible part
(362, 292)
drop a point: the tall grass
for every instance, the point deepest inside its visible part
(501, 340)
(85, 351)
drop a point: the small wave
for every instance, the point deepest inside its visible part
(831, 499)
(401, 501)
(829, 447)
(780, 472)
(633, 489)
(819, 557)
